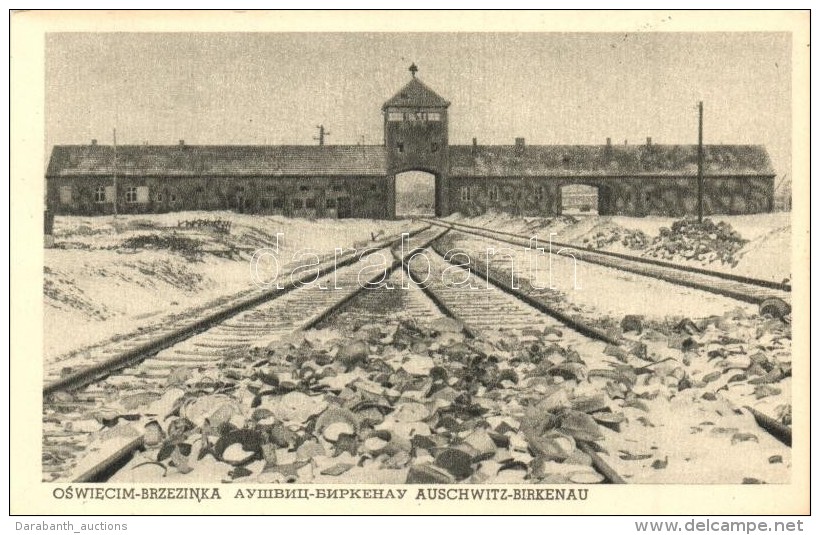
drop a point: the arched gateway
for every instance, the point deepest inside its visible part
(341, 181)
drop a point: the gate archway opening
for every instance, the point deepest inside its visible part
(581, 199)
(415, 194)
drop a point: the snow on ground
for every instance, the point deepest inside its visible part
(767, 255)
(95, 287)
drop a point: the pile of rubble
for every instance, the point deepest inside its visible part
(189, 247)
(629, 238)
(392, 402)
(736, 351)
(705, 242)
(397, 402)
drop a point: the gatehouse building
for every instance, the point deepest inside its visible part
(359, 181)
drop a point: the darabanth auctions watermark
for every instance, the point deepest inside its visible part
(267, 272)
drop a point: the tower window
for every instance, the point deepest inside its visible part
(434, 147)
(465, 193)
(400, 146)
(99, 194)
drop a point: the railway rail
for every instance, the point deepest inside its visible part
(747, 289)
(278, 313)
(131, 351)
(300, 305)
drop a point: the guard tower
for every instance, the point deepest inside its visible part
(415, 135)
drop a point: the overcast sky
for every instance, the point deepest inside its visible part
(551, 88)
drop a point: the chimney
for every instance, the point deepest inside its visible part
(626, 143)
(181, 142)
(519, 146)
(93, 142)
(609, 142)
(648, 141)
(475, 146)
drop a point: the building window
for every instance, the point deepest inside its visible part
(493, 193)
(395, 116)
(172, 199)
(539, 193)
(99, 194)
(330, 203)
(304, 188)
(434, 116)
(135, 194)
(65, 194)
(400, 146)
(465, 193)
(158, 196)
(298, 203)
(310, 203)
(434, 147)
(131, 194)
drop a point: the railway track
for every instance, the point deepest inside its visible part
(143, 364)
(98, 361)
(519, 309)
(478, 302)
(746, 289)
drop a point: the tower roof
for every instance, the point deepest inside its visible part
(416, 94)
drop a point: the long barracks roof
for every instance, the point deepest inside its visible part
(371, 160)
(216, 160)
(607, 160)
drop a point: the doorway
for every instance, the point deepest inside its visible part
(343, 207)
(579, 200)
(415, 194)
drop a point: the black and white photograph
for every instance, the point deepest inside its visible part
(528, 264)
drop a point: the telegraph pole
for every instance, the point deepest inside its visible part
(700, 162)
(322, 134)
(115, 172)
